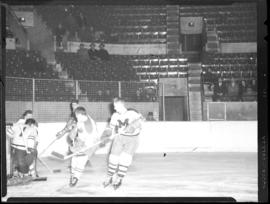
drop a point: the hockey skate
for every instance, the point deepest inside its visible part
(73, 181)
(107, 182)
(117, 183)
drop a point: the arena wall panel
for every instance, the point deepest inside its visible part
(164, 137)
(247, 47)
(125, 49)
(59, 111)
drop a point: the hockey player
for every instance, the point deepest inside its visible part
(71, 123)
(17, 141)
(25, 157)
(84, 135)
(126, 124)
(30, 136)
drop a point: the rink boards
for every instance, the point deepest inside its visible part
(174, 137)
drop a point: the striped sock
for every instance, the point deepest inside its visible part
(111, 169)
(122, 171)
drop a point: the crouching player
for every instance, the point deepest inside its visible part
(126, 125)
(24, 155)
(84, 135)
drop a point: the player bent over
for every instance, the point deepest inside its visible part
(17, 141)
(84, 135)
(126, 124)
(25, 157)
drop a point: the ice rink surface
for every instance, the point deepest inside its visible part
(194, 174)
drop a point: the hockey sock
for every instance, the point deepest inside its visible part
(113, 164)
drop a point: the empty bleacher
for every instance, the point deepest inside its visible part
(234, 23)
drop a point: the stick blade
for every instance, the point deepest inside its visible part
(58, 155)
(40, 179)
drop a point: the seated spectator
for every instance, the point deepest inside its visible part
(65, 39)
(75, 38)
(233, 90)
(99, 95)
(82, 52)
(249, 95)
(219, 90)
(92, 52)
(242, 88)
(102, 53)
(254, 85)
(208, 76)
(108, 96)
(138, 94)
(150, 116)
(91, 33)
(81, 20)
(60, 31)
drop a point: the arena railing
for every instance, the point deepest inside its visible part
(31, 89)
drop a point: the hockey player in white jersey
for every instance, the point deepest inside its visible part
(126, 124)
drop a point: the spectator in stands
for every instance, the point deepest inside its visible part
(233, 90)
(65, 39)
(60, 31)
(108, 96)
(99, 95)
(81, 20)
(92, 52)
(208, 76)
(249, 94)
(242, 88)
(219, 90)
(150, 116)
(75, 38)
(70, 22)
(138, 94)
(254, 85)
(82, 52)
(102, 53)
(91, 33)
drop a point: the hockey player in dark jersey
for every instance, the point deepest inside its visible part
(71, 121)
(126, 124)
(85, 135)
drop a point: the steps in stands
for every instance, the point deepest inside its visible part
(194, 86)
(173, 44)
(212, 44)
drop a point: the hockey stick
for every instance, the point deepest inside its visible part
(83, 150)
(44, 150)
(97, 143)
(47, 167)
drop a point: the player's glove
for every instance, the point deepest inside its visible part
(104, 142)
(59, 135)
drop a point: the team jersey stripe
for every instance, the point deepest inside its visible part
(131, 135)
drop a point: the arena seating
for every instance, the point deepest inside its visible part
(234, 23)
(120, 24)
(138, 24)
(241, 66)
(147, 24)
(162, 66)
(135, 67)
(227, 66)
(28, 64)
(116, 69)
